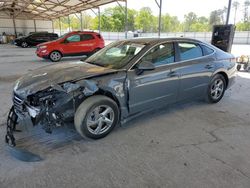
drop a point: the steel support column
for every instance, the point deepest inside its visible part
(60, 27)
(81, 21)
(159, 4)
(228, 11)
(126, 16)
(34, 25)
(126, 19)
(69, 23)
(53, 29)
(99, 19)
(14, 24)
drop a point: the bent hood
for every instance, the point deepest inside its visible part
(47, 76)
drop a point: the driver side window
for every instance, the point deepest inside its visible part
(161, 55)
(74, 38)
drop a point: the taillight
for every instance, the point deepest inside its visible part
(99, 36)
(233, 60)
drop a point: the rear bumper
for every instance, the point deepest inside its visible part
(232, 74)
(231, 81)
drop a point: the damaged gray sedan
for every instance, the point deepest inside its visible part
(119, 82)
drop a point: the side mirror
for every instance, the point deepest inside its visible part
(146, 65)
(65, 41)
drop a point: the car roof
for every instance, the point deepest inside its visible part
(153, 40)
(84, 32)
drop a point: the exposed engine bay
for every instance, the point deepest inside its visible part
(49, 108)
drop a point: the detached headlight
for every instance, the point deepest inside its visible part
(42, 47)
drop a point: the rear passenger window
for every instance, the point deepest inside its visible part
(87, 37)
(189, 51)
(207, 50)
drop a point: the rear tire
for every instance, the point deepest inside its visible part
(238, 67)
(96, 117)
(55, 56)
(216, 89)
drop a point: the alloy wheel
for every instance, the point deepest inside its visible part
(217, 89)
(100, 119)
(55, 56)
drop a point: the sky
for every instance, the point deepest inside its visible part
(181, 7)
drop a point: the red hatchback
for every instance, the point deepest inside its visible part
(72, 44)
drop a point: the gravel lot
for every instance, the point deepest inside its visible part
(186, 145)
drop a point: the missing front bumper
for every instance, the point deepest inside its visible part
(11, 127)
(18, 153)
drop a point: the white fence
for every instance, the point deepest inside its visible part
(26, 26)
(242, 37)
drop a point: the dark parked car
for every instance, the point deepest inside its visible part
(34, 39)
(121, 81)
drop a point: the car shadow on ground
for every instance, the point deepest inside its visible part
(36, 140)
(63, 60)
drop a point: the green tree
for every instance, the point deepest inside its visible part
(145, 20)
(236, 5)
(87, 21)
(113, 19)
(190, 19)
(214, 18)
(243, 26)
(245, 12)
(222, 13)
(170, 23)
(201, 25)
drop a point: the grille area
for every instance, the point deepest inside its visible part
(18, 103)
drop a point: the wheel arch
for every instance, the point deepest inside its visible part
(56, 51)
(224, 74)
(110, 95)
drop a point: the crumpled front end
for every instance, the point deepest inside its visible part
(49, 108)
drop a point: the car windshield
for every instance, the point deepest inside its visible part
(116, 55)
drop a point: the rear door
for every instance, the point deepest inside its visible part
(152, 89)
(195, 67)
(88, 43)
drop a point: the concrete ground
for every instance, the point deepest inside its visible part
(188, 145)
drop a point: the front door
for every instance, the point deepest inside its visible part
(72, 44)
(154, 88)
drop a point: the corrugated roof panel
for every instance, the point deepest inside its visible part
(47, 9)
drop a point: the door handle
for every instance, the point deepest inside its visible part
(173, 74)
(209, 66)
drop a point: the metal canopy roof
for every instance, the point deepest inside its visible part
(46, 9)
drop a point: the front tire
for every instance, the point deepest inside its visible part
(216, 89)
(96, 117)
(24, 44)
(55, 56)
